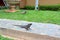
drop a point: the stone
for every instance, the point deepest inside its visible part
(37, 28)
(23, 12)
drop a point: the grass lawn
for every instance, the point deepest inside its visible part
(3, 38)
(34, 16)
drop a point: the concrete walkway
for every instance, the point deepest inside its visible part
(37, 28)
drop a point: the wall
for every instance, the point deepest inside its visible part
(30, 2)
(49, 2)
(43, 2)
(22, 3)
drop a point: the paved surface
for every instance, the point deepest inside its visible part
(37, 28)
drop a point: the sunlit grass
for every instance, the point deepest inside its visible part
(34, 16)
(4, 38)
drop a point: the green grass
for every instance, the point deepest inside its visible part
(3, 38)
(34, 16)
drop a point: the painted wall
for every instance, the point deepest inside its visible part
(49, 2)
(30, 2)
(43, 2)
(24, 3)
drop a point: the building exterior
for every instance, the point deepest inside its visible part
(41, 2)
(24, 3)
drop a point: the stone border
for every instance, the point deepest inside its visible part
(25, 35)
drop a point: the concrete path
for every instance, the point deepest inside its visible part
(37, 28)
